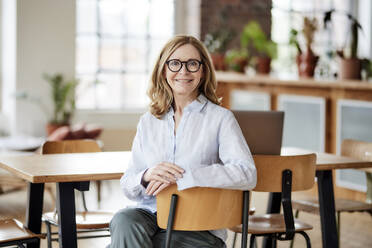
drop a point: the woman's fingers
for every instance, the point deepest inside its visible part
(150, 187)
(164, 172)
(173, 169)
(161, 179)
(174, 166)
(161, 187)
(155, 186)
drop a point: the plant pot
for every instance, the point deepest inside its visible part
(350, 68)
(306, 63)
(238, 64)
(263, 65)
(218, 60)
(51, 127)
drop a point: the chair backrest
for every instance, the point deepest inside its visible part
(263, 130)
(270, 169)
(201, 208)
(70, 146)
(360, 150)
(357, 149)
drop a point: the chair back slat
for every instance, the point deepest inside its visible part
(70, 146)
(270, 167)
(357, 149)
(201, 208)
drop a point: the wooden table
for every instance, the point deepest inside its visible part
(72, 171)
(69, 172)
(325, 164)
(331, 91)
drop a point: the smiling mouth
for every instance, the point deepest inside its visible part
(184, 80)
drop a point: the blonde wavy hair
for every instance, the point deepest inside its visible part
(160, 92)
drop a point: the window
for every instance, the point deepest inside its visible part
(116, 45)
(289, 14)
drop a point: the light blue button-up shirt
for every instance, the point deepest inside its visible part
(208, 145)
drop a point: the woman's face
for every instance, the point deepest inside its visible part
(184, 83)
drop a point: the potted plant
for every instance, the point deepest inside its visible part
(267, 49)
(351, 65)
(306, 60)
(237, 59)
(63, 98)
(216, 43)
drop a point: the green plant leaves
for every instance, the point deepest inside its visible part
(253, 33)
(63, 97)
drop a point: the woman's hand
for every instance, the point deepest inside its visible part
(154, 187)
(164, 173)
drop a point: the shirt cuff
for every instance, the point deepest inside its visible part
(187, 181)
(139, 188)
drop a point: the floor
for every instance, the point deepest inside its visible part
(356, 228)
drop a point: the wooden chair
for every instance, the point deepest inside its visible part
(86, 221)
(281, 174)
(200, 209)
(12, 232)
(349, 148)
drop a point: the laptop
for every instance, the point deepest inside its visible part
(263, 130)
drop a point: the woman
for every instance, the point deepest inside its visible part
(186, 138)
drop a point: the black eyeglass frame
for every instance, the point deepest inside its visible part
(184, 62)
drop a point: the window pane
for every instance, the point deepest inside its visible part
(121, 52)
(135, 55)
(137, 18)
(112, 19)
(282, 4)
(86, 54)
(85, 92)
(135, 85)
(161, 12)
(111, 54)
(86, 16)
(300, 5)
(156, 45)
(109, 91)
(280, 26)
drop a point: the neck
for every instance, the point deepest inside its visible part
(180, 102)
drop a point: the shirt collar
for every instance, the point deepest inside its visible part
(196, 105)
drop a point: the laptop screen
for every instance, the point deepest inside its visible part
(263, 130)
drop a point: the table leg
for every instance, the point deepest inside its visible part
(34, 210)
(327, 209)
(273, 206)
(66, 215)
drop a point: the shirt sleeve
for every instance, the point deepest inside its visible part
(236, 169)
(131, 180)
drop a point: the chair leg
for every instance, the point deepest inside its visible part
(338, 225)
(292, 241)
(49, 234)
(99, 184)
(308, 243)
(234, 240)
(252, 241)
(273, 241)
(172, 212)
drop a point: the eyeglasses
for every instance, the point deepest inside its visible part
(192, 65)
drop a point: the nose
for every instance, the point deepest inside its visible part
(183, 69)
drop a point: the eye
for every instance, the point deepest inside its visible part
(193, 63)
(174, 63)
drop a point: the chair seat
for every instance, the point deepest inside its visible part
(341, 205)
(270, 223)
(84, 220)
(13, 230)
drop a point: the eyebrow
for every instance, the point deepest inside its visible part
(184, 60)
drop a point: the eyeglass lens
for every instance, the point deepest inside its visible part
(192, 65)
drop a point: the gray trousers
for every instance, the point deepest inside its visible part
(137, 228)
